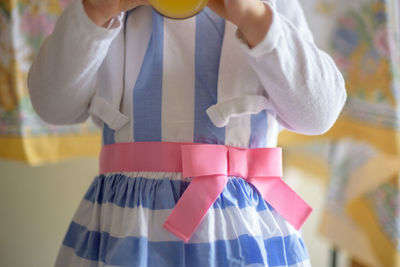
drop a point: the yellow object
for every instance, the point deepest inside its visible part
(178, 9)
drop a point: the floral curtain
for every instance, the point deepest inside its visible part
(24, 24)
(360, 156)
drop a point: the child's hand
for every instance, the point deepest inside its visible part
(101, 11)
(235, 11)
(252, 17)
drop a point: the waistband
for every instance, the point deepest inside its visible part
(209, 165)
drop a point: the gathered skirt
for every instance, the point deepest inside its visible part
(119, 223)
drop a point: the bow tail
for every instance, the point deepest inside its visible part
(283, 199)
(193, 205)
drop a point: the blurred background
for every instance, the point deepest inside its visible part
(350, 175)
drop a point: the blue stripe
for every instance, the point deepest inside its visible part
(138, 251)
(209, 36)
(147, 93)
(292, 249)
(158, 194)
(108, 135)
(259, 128)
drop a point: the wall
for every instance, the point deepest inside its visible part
(36, 205)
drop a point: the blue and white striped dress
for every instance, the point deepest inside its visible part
(119, 221)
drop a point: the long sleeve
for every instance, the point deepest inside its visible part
(62, 78)
(302, 83)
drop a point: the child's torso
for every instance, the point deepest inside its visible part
(175, 85)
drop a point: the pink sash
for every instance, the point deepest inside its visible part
(209, 165)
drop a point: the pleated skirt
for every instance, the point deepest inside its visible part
(119, 223)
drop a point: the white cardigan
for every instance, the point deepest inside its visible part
(79, 72)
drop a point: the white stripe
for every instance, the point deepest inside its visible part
(139, 24)
(218, 224)
(238, 131)
(273, 131)
(178, 80)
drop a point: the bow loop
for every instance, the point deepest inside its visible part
(196, 160)
(255, 163)
(264, 162)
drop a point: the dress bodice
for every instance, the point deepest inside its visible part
(178, 82)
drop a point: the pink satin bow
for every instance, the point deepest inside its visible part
(209, 165)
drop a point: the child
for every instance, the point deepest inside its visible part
(190, 110)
